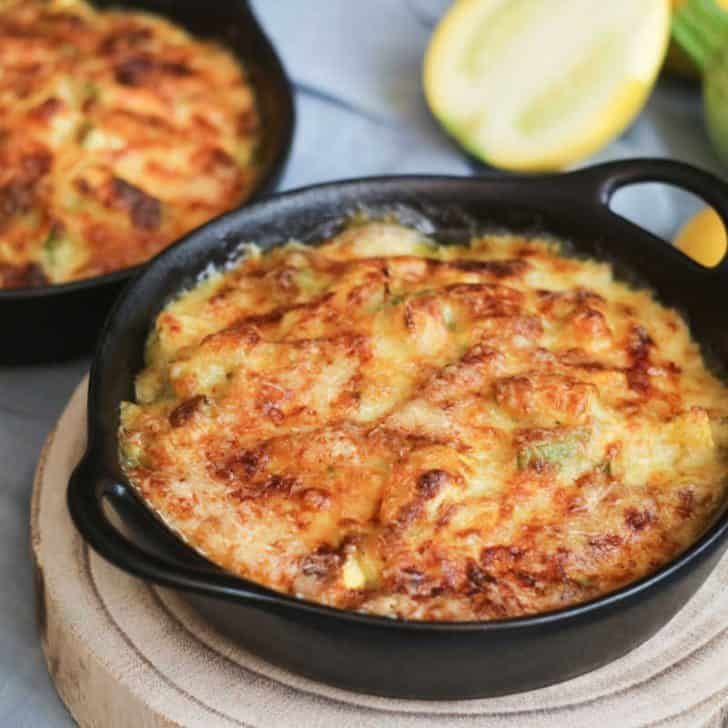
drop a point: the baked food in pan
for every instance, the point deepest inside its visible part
(387, 424)
(119, 133)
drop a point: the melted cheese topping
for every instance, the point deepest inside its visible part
(119, 133)
(427, 432)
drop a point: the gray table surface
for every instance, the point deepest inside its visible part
(360, 111)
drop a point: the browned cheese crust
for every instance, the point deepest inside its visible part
(119, 133)
(427, 432)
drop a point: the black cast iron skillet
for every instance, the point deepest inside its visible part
(374, 654)
(56, 322)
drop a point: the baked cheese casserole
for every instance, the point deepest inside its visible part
(423, 431)
(119, 133)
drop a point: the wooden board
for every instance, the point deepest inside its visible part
(124, 654)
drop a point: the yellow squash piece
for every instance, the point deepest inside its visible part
(534, 86)
(703, 238)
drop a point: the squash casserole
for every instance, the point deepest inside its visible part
(119, 133)
(426, 431)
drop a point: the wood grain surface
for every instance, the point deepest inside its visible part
(123, 654)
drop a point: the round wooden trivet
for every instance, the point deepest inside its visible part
(124, 654)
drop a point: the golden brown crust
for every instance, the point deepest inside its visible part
(119, 133)
(427, 432)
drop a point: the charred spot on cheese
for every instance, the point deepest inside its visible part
(144, 210)
(453, 432)
(270, 486)
(477, 577)
(429, 483)
(22, 276)
(321, 562)
(240, 467)
(184, 411)
(686, 502)
(135, 70)
(118, 128)
(123, 38)
(639, 346)
(605, 542)
(637, 519)
(497, 268)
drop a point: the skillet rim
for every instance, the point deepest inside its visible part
(591, 185)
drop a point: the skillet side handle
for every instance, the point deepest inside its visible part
(85, 502)
(606, 179)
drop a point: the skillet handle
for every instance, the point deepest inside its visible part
(605, 179)
(86, 494)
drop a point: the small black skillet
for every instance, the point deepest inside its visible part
(373, 654)
(55, 322)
